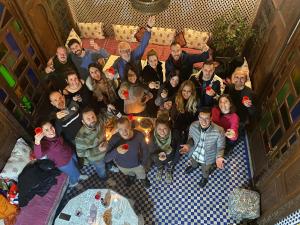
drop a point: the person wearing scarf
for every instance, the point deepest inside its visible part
(164, 147)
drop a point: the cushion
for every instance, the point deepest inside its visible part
(162, 36)
(6, 209)
(125, 32)
(244, 204)
(196, 39)
(139, 34)
(179, 38)
(18, 160)
(91, 30)
(72, 35)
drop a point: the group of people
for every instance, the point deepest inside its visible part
(194, 114)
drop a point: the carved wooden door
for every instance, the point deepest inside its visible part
(275, 143)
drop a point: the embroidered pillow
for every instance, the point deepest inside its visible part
(91, 30)
(72, 35)
(162, 36)
(125, 32)
(196, 39)
(19, 158)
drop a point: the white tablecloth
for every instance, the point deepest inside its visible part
(122, 212)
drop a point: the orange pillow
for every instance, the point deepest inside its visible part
(139, 34)
(179, 38)
(6, 209)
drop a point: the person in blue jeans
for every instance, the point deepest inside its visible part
(91, 140)
(48, 145)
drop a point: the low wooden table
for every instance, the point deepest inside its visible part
(78, 209)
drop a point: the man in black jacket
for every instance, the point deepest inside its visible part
(57, 66)
(182, 61)
(67, 117)
(242, 96)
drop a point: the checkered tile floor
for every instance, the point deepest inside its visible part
(293, 219)
(183, 201)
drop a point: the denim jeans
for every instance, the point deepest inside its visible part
(71, 170)
(100, 168)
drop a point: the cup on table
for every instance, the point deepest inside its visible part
(98, 195)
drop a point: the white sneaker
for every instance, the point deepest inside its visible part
(114, 169)
(73, 185)
(83, 177)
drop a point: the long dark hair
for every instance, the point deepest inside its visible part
(98, 66)
(232, 106)
(131, 67)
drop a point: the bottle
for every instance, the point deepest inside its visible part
(116, 113)
(93, 214)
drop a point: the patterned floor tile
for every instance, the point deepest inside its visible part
(182, 201)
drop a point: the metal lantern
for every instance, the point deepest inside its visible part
(150, 7)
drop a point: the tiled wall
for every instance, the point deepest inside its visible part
(194, 14)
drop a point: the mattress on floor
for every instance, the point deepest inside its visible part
(41, 210)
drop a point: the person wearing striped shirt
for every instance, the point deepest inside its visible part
(205, 145)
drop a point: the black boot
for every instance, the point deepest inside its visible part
(129, 180)
(159, 173)
(169, 172)
(146, 183)
(189, 169)
(169, 176)
(203, 182)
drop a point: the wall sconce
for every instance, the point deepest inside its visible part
(150, 7)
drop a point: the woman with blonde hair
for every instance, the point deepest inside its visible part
(184, 110)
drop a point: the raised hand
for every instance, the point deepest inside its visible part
(38, 137)
(50, 66)
(151, 21)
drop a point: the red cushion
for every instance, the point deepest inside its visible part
(140, 33)
(86, 42)
(179, 38)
